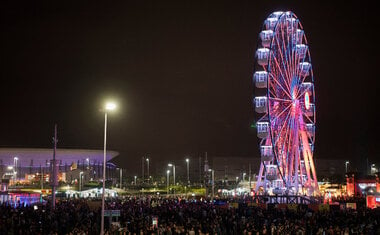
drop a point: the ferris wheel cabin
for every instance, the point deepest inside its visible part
(261, 104)
(310, 128)
(301, 50)
(304, 68)
(270, 23)
(266, 153)
(262, 129)
(262, 55)
(266, 37)
(271, 172)
(260, 78)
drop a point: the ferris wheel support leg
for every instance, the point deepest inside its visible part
(305, 146)
(260, 177)
(296, 169)
(313, 172)
(292, 170)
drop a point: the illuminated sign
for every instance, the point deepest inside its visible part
(366, 185)
(307, 100)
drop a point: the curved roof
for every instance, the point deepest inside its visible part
(39, 156)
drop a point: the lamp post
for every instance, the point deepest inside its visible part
(108, 107)
(80, 180)
(121, 176)
(167, 182)
(15, 159)
(212, 184)
(88, 163)
(172, 165)
(347, 162)
(147, 162)
(135, 180)
(244, 176)
(188, 176)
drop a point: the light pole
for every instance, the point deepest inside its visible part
(108, 107)
(147, 162)
(80, 180)
(167, 181)
(135, 180)
(188, 176)
(15, 159)
(172, 165)
(244, 176)
(88, 163)
(212, 184)
(347, 162)
(121, 176)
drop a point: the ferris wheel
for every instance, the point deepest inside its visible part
(285, 103)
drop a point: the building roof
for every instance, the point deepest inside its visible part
(40, 156)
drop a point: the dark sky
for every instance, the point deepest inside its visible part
(181, 72)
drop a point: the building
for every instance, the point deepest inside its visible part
(28, 165)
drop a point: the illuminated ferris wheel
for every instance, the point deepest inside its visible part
(284, 101)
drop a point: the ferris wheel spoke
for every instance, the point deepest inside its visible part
(299, 96)
(279, 85)
(286, 78)
(284, 109)
(285, 51)
(282, 75)
(290, 143)
(282, 128)
(264, 117)
(296, 60)
(309, 119)
(286, 146)
(280, 100)
(279, 115)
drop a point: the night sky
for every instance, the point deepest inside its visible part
(182, 74)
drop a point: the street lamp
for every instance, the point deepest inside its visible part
(347, 162)
(172, 165)
(135, 180)
(212, 184)
(244, 176)
(108, 107)
(88, 163)
(15, 159)
(80, 180)
(167, 182)
(188, 176)
(147, 161)
(121, 175)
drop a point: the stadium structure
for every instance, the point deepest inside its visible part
(20, 166)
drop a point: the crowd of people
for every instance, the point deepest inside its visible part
(160, 215)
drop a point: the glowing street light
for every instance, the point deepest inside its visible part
(167, 181)
(135, 179)
(212, 184)
(172, 165)
(347, 162)
(188, 176)
(80, 180)
(147, 161)
(108, 107)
